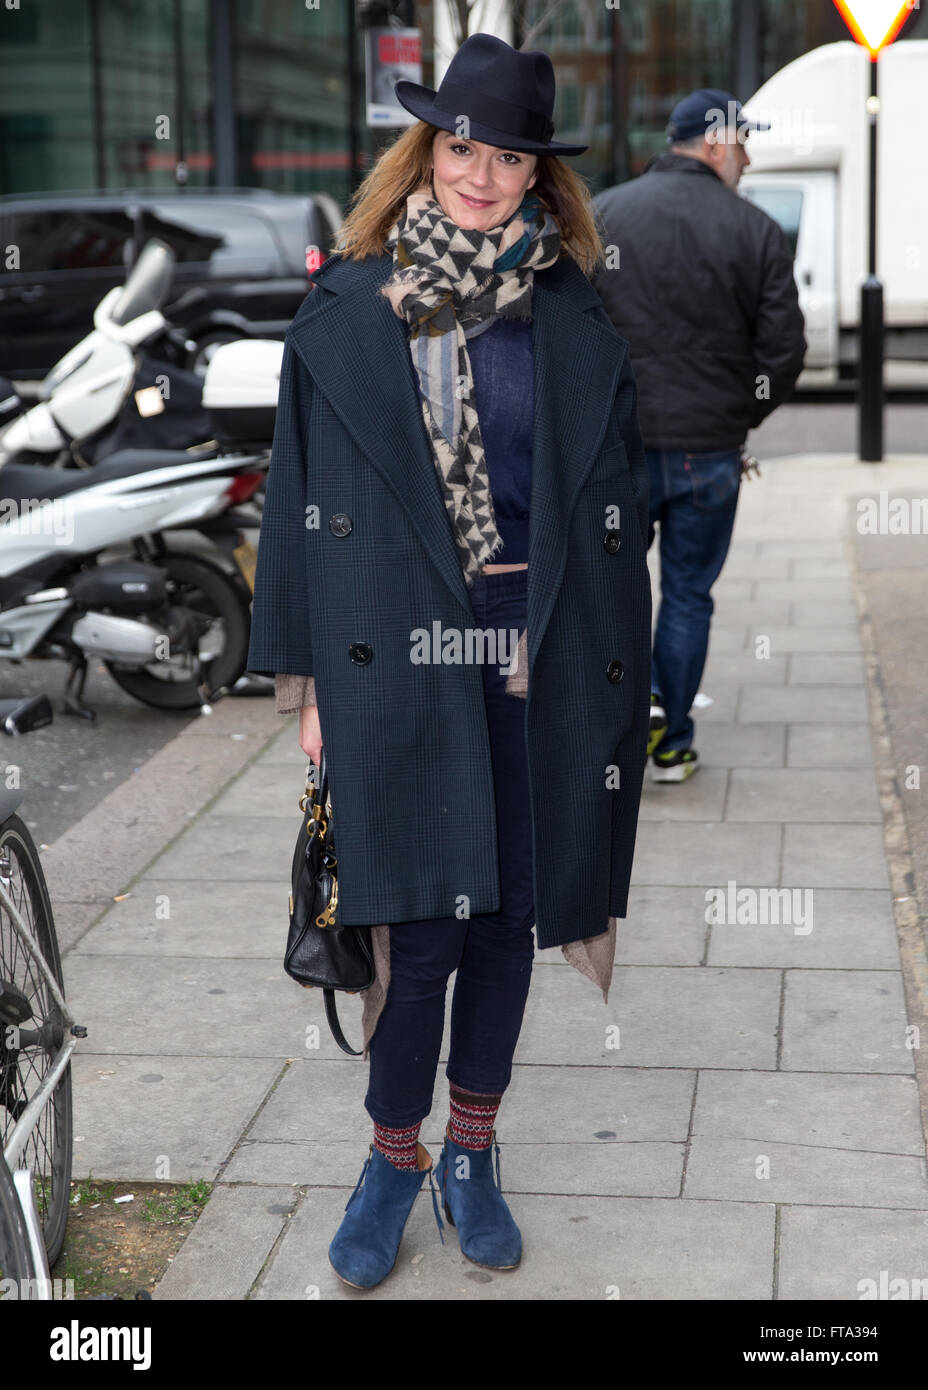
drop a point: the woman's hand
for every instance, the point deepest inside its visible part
(311, 733)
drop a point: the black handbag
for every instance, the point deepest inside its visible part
(321, 953)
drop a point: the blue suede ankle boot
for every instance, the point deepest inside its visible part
(487, 1233)
(364, 1248)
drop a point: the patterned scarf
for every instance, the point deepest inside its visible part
(451, 283)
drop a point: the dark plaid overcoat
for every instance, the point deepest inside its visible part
(356, 552)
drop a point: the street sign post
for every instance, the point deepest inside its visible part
(874, 24)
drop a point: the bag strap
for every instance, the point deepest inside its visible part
(331, 1011)
(331, 1014)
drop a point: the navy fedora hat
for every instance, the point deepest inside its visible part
(506, 95)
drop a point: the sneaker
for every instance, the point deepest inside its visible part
(675, 766)
(658, 725)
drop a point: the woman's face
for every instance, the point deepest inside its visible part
(477, 185)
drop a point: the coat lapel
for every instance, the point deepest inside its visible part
(356, 350)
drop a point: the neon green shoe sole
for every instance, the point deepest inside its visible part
(675, 766)
(658, 725)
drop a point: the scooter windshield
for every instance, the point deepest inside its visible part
(147, 285)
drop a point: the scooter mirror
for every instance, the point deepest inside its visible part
(147, 286)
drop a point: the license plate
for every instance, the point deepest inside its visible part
(246, 557)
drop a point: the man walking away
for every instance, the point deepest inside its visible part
(700, 282)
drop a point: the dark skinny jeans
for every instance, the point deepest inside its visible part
(491, 953)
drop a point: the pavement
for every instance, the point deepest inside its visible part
(759, 1131)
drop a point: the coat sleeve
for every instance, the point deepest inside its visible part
(281, 618)
(779, 328)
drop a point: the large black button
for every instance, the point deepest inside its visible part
(340, 524)
(612, 542)
(615, 671)
(360, 653)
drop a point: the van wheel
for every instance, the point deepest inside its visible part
(208, 614)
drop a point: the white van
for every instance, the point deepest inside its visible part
(811, 173)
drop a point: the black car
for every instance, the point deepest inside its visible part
(243, 256)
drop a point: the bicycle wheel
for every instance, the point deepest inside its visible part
(15, 1255)
(28, 1049)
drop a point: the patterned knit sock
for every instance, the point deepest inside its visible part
(472, 1118)
(398, 1145)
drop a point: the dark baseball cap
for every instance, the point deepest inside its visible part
(707, 109)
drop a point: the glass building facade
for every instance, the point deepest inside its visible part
(109, 94)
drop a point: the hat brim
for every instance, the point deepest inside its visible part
(420, 102)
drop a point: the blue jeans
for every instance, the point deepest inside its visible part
(693, 497)
(492, 954)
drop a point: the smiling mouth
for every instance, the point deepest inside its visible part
(477, 202)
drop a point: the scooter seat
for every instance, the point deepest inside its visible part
(27, 481)
(128, 461)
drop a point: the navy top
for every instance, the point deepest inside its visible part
(501, 362)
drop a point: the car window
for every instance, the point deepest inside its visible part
(68, 238)
(784, 205)
(230, 241)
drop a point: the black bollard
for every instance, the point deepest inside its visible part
(870, 372)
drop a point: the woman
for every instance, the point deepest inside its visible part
(453, 564)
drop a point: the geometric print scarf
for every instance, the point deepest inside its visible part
(450, 283)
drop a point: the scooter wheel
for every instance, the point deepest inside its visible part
(213, 596)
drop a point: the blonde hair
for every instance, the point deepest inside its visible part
(404, 166)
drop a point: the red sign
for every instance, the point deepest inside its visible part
(395, 48)
(875, 23)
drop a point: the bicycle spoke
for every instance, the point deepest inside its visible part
(29, 1047)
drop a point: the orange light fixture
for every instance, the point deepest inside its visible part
(874, 23)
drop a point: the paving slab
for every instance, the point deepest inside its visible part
(701, 798)
(708, 853)
(753, 1171)
(812, 551)
(826, 668)
(803, 794)
(191, 1006)
(723, 697)
(226, 1250)
(814, 611)
(222, 848)
(854, 1254)
(604, 1169)
(812, 637)
(321, 1101)
(272, 790)
(144, 1116)
(680, 1016)
(835, 856)
(811, 591)
(186, 917)
(762, 610)
(743, 563)
(608, 1248)
(821, 1110)
(829, 745)
(664, 926)
(815, 928)
(803, 704)
(821, 567)
(744, 668)
(741, 745)
(845, 1020)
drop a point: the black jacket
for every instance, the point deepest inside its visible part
(704, 293)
